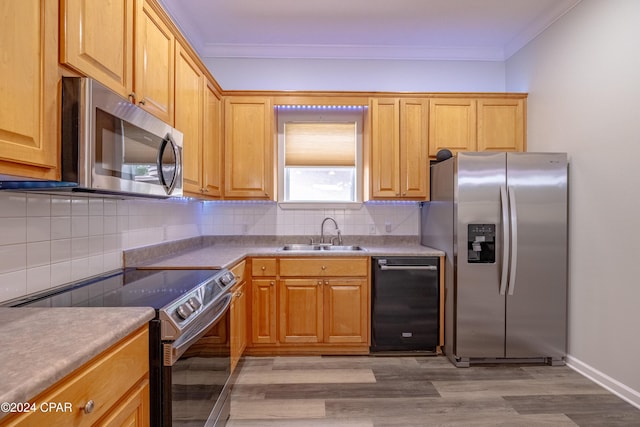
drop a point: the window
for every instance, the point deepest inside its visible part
(320, 154)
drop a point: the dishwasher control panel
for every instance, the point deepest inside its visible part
(481, 243)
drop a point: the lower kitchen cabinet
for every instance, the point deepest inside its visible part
(263, 311)
(112, 389)
(317, 305)
(238, 315)
(346, 314)
(322, 310)
(300, 310)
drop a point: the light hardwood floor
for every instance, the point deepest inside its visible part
(363, 391)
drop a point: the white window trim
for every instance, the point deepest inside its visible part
(330, 114)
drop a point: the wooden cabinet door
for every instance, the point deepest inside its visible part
(238, 314)
(452, 125)
(188, 115)
(29, 119)
(212, 143)
(154, 63)
(263, 311)
(346, 316)
(414, 156)
(385, 148)
(501, 125)
(97, 40)
(300, 310)
(133, 411)
(248, 150)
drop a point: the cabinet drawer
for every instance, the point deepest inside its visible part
(263, 267)
(323, 266)
(104, 381)
(239, 271)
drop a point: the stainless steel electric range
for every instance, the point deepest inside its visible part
(189, 355)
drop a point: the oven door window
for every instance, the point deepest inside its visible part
(128, 152)
(199, 376)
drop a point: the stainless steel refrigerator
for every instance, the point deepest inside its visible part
(501, 218)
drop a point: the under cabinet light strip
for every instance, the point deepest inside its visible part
(321, 107)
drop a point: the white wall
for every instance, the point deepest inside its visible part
(357, 75)
(583, 79)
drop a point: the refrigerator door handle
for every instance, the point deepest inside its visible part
(514, 240)
(505, 239)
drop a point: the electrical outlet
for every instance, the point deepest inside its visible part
(372, 229)
(387, 226)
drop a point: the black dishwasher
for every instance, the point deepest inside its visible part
(405, 304)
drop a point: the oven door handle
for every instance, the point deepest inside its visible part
(172, 352)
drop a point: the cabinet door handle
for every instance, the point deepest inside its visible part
(271, 283)
(319, 282)
(326, 282)
(142, 102)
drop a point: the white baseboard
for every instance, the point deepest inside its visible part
(614, 386)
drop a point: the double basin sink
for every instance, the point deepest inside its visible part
(321, 247)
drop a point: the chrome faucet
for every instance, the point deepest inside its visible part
(337, 230)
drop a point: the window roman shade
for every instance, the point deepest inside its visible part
(320, 144)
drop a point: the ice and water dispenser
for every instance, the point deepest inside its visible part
(481, 243)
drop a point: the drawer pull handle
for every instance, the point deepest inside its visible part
(324, 267)
(88, 408)
(263, 268)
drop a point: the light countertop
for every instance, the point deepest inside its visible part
(40, 346)
(226, 255)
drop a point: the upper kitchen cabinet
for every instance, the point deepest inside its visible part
(154, 65)
(495, 123)
(452, 125)
(248, 150)
(399, 158)
(501, 124)
(189, 106)
(144, 74)
(202, 151)
(97, 40)
(212, 143)
(29, 119)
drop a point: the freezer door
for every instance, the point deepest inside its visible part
(480, 308)
(537, 294)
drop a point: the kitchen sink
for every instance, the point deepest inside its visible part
(343, 248)
(321, 247)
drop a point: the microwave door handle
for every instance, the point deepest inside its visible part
(166, 141)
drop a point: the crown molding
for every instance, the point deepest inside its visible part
(538, 26)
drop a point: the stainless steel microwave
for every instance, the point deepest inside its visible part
(110, 146)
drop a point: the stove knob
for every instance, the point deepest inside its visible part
(184, 311)
(227, 278)
(194, 303)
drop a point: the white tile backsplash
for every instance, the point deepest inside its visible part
(48, 240)
(229, 218)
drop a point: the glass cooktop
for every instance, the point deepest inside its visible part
(126, 288)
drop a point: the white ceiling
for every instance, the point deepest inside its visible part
(488, 30)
